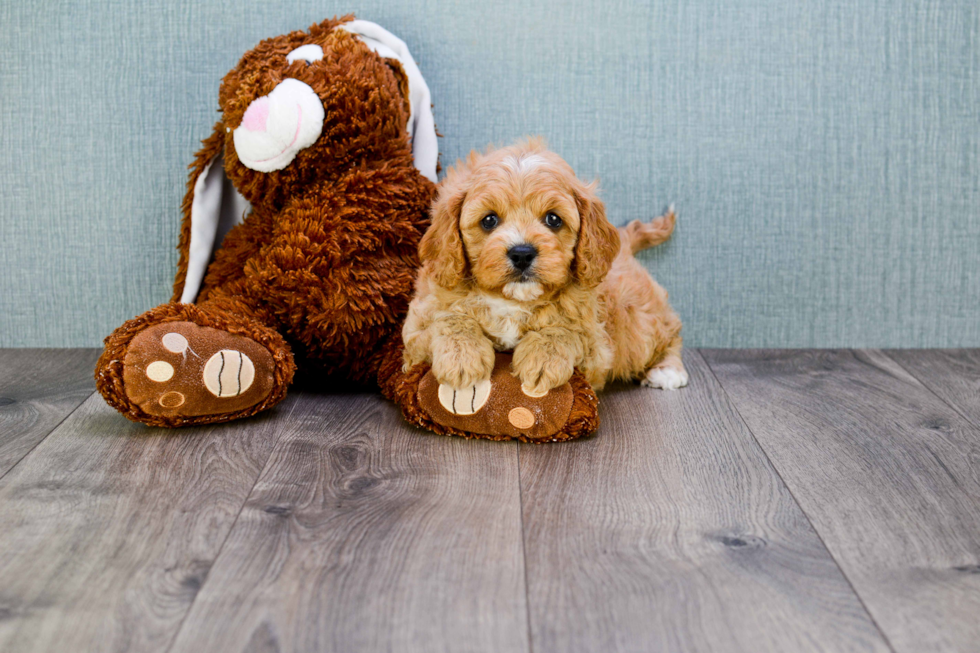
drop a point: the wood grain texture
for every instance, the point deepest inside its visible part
(670, 531)
(886, 472)
(109, 528)
(953, 374)
(38, 389)
(364, 534)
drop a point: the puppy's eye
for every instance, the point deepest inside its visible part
(489, 221)
(553, 221)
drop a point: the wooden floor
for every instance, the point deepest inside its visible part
(784, 501)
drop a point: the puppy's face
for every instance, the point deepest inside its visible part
(520, 223)
(525, 225)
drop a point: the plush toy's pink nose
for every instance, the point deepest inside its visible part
(256, 115)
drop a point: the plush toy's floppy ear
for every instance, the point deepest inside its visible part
(598, 241)
(421, 125)
(211, 207)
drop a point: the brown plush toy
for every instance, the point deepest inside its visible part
(301, 223)
(496, 409)
(326, 141)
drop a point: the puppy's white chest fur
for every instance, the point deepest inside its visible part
(506, 321)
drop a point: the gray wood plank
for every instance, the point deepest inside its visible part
(953, 374)
(109, 527)
(38, 389)
(886, 472)
(364, 534)
(670, 531)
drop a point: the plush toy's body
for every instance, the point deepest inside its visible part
(302, 219)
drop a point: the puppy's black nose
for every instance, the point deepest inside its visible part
(522, 256)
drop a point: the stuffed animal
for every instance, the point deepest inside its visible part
(327, 148)
(301, 224)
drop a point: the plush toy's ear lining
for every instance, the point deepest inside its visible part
(217, 206)
(212, 207)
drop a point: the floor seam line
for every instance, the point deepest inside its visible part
(928, 387)
(813, 526)
(231, 528)
(527, 587)
(48, 434)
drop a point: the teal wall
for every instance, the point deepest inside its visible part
(823, 156)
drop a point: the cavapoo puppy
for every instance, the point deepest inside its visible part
(520, 256)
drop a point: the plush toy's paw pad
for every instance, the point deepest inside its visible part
(229, 373)
(182, 369)
(497, 407)
(666, 378)
(521, 418)
(466, 401)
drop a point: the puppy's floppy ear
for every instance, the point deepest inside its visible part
(598, 241)
(441, 248)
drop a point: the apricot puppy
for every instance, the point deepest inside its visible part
(520, 256)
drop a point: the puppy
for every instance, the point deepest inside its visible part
(520, 256)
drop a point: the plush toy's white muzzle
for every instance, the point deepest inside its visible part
(278, 125)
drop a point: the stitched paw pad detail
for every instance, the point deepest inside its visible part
(466, 401)
(228, 373)
(182, 369)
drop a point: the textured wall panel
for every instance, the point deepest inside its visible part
(823, 156)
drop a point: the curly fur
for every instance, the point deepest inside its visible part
(585, 303)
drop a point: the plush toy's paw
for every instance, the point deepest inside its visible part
(496, 409)
(204, 368)
(182, 369)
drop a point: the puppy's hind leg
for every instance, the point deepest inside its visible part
(669, 373)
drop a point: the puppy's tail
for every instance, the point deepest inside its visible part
(641, 235)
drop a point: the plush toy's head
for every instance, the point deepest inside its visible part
(303, 103)
(298, 108)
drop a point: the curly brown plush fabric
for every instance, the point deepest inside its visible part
(326, 259)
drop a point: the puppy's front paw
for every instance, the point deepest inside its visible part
(462, 364)
(540, 370)
(410, 360)
(665, 378)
